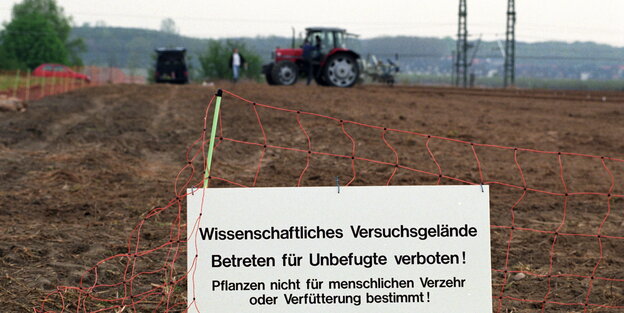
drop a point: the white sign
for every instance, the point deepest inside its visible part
(365, 249)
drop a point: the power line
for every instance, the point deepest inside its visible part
(435, 56)
(255, 20)
(367, 25)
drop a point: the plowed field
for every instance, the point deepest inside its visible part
(79, 170)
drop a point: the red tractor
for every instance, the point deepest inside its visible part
(335, 65)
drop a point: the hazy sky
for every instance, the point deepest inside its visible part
(538, 20)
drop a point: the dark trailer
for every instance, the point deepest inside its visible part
(171, 66)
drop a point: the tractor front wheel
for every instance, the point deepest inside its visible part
(341, 70)
(267, 70)
(284, 73)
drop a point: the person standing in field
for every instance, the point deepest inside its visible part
(237, 61)
(308, 51)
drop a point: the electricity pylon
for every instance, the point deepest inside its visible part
(510, 45)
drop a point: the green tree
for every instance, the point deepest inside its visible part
(28, 42)
(214, 61)
(39, 33)
(7, 60)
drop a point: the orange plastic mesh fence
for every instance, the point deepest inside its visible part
(557, 221)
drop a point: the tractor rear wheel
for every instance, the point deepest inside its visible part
(284, 73)
(341, 70)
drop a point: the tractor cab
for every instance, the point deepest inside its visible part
(335, 64)
(329, 38)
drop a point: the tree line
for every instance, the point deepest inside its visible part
(40, 32)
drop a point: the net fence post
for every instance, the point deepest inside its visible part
(42, 82)
(82, 81)
(16, 83)
(27, 96)
(52, 87)
(213, 133)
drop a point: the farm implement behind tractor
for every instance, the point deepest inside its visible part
(378, 71)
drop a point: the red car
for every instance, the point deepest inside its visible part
(58, 70)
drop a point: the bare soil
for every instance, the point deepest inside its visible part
(79, 170)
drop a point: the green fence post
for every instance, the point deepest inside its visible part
(213, 134)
